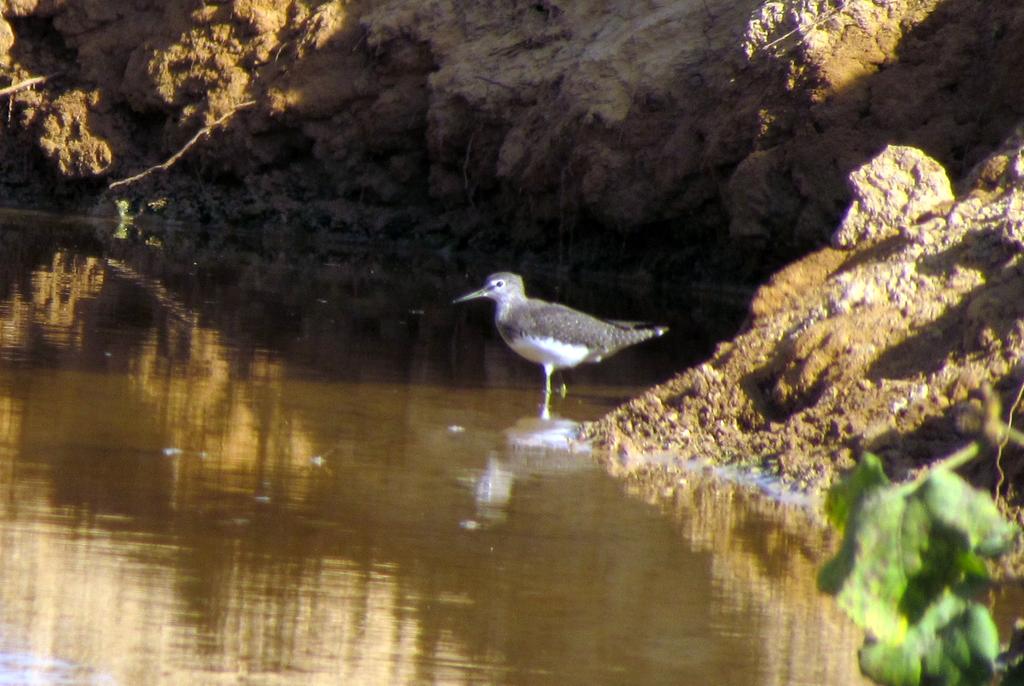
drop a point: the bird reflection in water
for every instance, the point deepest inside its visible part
(534, 446)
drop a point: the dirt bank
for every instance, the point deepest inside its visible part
(884, 340)
(664, 134)
(565, 130)
(882, 343)
(696, 136)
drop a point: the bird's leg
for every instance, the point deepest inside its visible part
(545, 412)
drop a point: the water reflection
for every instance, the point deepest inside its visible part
(535, 447)
(281, 477)
(555, 433)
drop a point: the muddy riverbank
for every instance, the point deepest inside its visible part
(884, 343)
(686, 140)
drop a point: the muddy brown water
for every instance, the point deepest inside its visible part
(268, 475)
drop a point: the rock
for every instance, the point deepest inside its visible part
(896, 188)
(6, 38)
(69, 140)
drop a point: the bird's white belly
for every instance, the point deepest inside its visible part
(549, 351)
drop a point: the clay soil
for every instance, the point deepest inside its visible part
(901, 345)
(872, 148)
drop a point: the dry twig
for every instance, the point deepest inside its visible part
(191, 141)
(22, 85)
(1006, 439)
(825, 16)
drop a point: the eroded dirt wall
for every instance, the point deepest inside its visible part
(643, 131)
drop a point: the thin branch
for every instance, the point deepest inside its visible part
(191, 141)
(22, 85)
(806, 29)
(1006, 439)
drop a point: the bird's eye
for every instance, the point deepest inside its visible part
(500, 283)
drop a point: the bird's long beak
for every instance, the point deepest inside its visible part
(482, 293)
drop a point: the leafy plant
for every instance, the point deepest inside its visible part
(911, 562)
(125, 218)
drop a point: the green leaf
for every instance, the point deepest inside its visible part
(955, 642)
(845, 495)
(969, 512)
(905, 547)
(892, 664)
(867, 575)
(966, 647)
(911, 557)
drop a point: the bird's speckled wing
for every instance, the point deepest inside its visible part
(550, 320)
